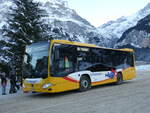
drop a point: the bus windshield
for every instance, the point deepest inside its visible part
(36, 60)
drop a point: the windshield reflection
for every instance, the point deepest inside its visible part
(36, 60)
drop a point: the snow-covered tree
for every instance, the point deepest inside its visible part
(24, 27)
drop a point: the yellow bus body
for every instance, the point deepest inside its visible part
(60, 84)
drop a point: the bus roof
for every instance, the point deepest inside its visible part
(73, 43)
(89, 45)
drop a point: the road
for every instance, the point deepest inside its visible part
(131, 97)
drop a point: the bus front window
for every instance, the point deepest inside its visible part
(36, 60)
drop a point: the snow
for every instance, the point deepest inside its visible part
(62, 2)
(5, 48)
(143, 68)
(115, 29)
(135, 45)
(4, 59)
(67, 19)
(18, 94)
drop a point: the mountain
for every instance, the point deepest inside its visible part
(113, 30)
(65, 23)
(138, 38)
(62, 21)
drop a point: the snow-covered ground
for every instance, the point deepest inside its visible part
(143, 68)
(7, 96)
(20, 92)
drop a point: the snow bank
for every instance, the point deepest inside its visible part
(143, 68)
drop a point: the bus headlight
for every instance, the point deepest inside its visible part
(23, 85)
(47, 85)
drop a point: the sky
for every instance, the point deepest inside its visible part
(98, 12)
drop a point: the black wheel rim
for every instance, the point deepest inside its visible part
(84, 84)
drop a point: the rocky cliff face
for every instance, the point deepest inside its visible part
(63, 22)
(138, 38)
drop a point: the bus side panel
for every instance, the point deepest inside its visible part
(129, 73)
(61, 84)
(104, 82)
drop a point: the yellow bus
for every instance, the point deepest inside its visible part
(60, 65)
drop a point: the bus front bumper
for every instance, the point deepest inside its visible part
(37, 87)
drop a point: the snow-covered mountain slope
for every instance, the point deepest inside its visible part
(64, 20)
(138, 38)
(64, 23)
(113, 30)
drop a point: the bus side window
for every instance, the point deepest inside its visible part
(66, 62)
(130, 59)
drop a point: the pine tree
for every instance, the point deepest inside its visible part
(25, 23)
(24, 27)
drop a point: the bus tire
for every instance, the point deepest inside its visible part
(85, 83)
(119, 79)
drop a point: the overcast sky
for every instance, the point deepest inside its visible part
(98, 12)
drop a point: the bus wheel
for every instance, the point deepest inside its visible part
(119, 79)
(85, 83)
